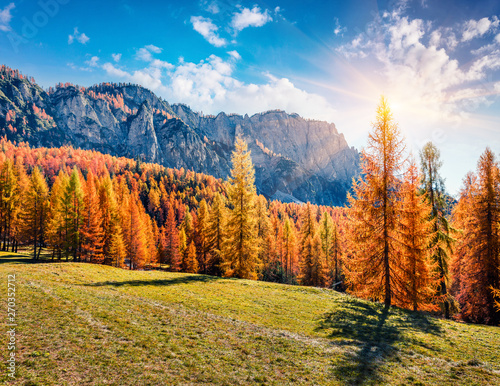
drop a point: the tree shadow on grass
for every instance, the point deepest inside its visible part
(14, 258)
(158, 282)
(372, 331)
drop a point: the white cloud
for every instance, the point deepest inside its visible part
(113, 71)
(208, 30)
(443, 37)
(476, 28)
(338, 30)
(212, 7)
(79, 37)
(473, 28)
(116, 57)
(146, 53)
(153, 48)
(439, 89)
(93, 62)
(250, 18)
(235, 55)
(5, 17)
(211, 87)
(148, 77)
(425, 75)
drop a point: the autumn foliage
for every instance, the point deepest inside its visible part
(477, 259)
(395, 242)
(376, 267)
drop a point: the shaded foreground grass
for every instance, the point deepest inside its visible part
(82, 324)
(15, 258)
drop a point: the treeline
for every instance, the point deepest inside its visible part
(396, 242)
(404, 249)
(87, 206)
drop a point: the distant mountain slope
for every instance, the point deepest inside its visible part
(295, 159)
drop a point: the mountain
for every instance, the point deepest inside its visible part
(295, 159)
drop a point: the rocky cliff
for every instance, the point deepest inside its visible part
(295, 159)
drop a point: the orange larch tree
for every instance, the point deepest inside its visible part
(92, 229)
(240, 247)
(479, 244)
(189, 260)
(375, 268)
(35, 211)
(415, 235)
(170, 243)
(216, 235)
(289, 251)
(135, 233)
(313, 269)
(201, 237)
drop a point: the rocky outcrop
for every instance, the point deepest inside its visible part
(307, 159)
(295, 159)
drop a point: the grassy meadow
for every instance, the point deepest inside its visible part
(83, 324)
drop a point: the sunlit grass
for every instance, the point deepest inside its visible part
(82, 324)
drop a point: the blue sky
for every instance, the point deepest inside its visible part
(437, 62)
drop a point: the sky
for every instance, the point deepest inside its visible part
(437, 62)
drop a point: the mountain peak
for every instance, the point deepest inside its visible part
(295, 159)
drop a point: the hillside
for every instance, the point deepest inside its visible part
(314, 163)
(83, 324)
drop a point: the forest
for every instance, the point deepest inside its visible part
(399, 240)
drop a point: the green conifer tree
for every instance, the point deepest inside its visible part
(442, 242)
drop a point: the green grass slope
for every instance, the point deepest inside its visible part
(82, 324)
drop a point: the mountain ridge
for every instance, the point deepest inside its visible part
(295, 159)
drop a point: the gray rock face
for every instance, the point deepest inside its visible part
(295, 159)
(141, 139)
(303, 158)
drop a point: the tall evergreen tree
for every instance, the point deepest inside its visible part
(289, 250)
(9, 203)
(149, 234)
(112, 229)
(330, 248)
(55, 228)
(35, 211)
(117, 251)
(183, 247)
(92, 229)
(312, 262)
(135, 234)
(72, 207)
(375, 267)
(496, 295)
(415, 234)
(216, 235)
(263, 228)
(17, 222)
(187, 224)
(189, 261)
(170, 243)
(442, 242)
(463, 219)
(479, 243)
(241, 244)
(202, 237)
